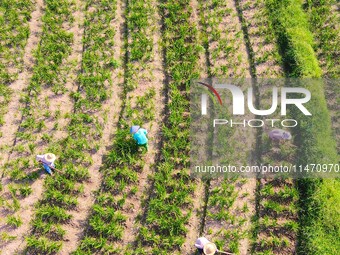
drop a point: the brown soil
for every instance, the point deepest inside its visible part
(12, 121)
(150, 77)
(267, 64)
(267, 61)
(75, 228)
(195, 221)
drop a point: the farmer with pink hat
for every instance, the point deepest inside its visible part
(140, 136)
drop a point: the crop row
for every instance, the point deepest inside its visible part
(275, 225)
(45, 74)
(34, 134)
(261, 39)
(324, 23)
(226, 57)
(319, 225)
(276, 198)
(54, 47)
(84, 129)
(14, 33)
(124, 163)
(229, 204)
(169, 206)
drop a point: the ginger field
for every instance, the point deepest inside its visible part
(76, 74)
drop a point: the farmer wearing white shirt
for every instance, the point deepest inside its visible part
(48, 162)
(205, 247)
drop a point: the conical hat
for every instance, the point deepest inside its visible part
(49, 157)
(134, 129)
(209, 248)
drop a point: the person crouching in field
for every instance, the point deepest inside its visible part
(140, 136)
(279, 135)
(47, 161)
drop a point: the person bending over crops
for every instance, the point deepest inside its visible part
(47, 161)
(279, 135)
(140, 136)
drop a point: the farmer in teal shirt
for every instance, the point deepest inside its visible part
(140, 136)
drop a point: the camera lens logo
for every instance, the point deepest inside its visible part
(238, 99)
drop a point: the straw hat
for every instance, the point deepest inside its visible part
(209, 249)
(49, 157)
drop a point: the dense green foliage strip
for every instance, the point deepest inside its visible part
(320, 222)
(324, 24)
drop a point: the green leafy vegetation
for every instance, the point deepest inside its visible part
(168, 209)
(124, 162)
(323, 22)
(314, 136)
(14, 32)
(14, 221)
(295, 38)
